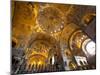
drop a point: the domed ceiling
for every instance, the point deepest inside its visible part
(46, 30)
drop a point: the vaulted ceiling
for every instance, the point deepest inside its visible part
(51, 25)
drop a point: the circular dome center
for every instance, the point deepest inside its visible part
(50, 19)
